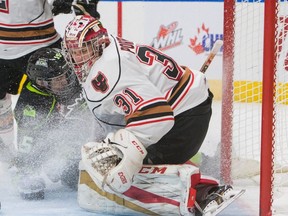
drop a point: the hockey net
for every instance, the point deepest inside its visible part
(255, 124)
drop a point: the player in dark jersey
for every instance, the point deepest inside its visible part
(53, 122)
(26, 26)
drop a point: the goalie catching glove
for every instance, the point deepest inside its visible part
(113, 162)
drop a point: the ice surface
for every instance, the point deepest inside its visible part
(60, 200)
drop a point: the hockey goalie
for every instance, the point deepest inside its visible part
(113, 181)
(154, 112)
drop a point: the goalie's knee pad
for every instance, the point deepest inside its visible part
(114, 162)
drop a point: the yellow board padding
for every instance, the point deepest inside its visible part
(216, 88)
(249, 91)
(282, 93)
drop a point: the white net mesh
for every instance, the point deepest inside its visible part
(249, 32)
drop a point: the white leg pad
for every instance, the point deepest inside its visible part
(156, 190)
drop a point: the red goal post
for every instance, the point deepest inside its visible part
(254, 102)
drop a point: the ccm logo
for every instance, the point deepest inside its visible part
(138, 147)
(122, 177)
(153, 170)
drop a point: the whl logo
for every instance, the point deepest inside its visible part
(196, 42)
(168, 37)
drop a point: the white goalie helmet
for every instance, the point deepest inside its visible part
(83, 43)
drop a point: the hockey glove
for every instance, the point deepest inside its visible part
(114, 163)
(87, 7)
(62, 6)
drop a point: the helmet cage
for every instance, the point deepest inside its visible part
(82, 56)
(61, 85)
(83, 43)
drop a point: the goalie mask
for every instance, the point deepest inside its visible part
(48, 70)
(83, 43)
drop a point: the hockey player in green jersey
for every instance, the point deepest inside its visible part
(53, 122)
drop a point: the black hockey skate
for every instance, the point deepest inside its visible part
(218, 198)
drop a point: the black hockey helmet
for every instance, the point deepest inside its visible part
(48, 70)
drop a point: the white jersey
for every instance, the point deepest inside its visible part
(141, 89)
(26, 25)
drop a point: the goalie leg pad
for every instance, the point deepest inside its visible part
(93, 198)
(156, 190)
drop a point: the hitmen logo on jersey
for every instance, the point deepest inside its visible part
(100, 83)
(196, 42)
(4, 6)
(168, 36)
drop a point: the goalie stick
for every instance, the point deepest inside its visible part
(212, 54)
